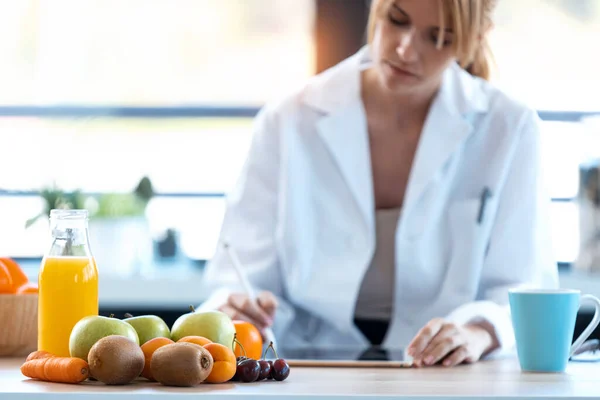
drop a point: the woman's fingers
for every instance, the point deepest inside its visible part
(268, 302)
(423, 338)
(236, 314)
(449, 338)
(246, 306)
(459, 355)
(450, 343)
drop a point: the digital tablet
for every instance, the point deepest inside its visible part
(346, 357)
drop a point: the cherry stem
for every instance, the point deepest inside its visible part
(265, 353)
(274, 351)
(192, 309)
(127, 315)
(270, 346)
(235, 340)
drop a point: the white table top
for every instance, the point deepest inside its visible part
(488, 379)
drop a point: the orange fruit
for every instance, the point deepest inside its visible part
(199, 340)
(250, 338)
(224, 363)
(148, 349)
(28, 288)
(6, 282)
(18, 276)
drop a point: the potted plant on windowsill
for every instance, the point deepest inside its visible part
(119, 234)
(119, 231)
(55, 198)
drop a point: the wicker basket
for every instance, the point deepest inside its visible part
(18, 324)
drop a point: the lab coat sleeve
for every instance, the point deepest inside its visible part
(520, 251)
(249, 225)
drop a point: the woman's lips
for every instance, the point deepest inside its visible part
(401, 71)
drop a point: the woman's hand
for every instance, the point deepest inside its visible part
(451, 344)
(260, 312)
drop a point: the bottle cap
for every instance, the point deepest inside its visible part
(68, 214)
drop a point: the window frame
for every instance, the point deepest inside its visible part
(339, 32)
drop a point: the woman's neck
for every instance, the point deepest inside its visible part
(398, 107)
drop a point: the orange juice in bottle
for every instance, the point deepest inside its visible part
(68, 281)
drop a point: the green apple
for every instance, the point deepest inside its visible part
(88, 330)
(148, 327)
(213, 325)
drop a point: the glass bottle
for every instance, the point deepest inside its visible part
(68, 281)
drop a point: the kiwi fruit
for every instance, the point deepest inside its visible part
(181, 364)
(116, 360)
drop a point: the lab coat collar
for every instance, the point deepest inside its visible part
(336, 94)
(336, 87)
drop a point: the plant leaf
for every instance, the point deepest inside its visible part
(32, 221)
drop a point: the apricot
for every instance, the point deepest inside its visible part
(199, 340)
(224, 365)
(148, 349)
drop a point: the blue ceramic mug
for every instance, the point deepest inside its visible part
(544, 322)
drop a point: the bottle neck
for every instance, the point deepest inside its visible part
(69, 237)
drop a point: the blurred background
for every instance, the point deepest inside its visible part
(140, 111)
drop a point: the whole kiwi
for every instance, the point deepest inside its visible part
(181, 364)
(116, 360)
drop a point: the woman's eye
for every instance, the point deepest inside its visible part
(446, 41)
(397, 22)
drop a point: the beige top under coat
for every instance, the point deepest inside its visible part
(376, 295)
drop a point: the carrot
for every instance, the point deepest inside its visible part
(57, 369)
(39, 354)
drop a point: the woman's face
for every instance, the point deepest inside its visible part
(404, 46)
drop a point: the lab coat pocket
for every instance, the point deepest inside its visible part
(470, 226)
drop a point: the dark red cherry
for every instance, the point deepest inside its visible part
(280, 370)
(265, 370)
(247, 370)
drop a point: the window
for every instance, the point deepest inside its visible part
(93, 59)
(163, 63)
(162, 53)
(543, 51)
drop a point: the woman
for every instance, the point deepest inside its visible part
(393, 199)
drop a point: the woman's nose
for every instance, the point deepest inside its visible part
(406, 48)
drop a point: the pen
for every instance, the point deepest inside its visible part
(237, 265)
(485, 194)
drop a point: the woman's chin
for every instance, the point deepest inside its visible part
(399, 86)
(394, 83)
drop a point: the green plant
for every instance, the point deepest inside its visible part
(106, 205)
(55, 198)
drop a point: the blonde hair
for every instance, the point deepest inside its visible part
(469, 19)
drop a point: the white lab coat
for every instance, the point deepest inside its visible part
(301, 216)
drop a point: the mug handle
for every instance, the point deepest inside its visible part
(592, 325)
